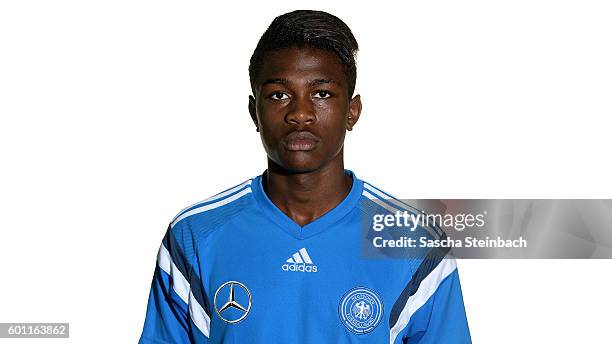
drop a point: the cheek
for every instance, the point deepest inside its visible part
(268, 118)
(333, 120)
(271, 132)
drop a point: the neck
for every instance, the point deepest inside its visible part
(304, 197)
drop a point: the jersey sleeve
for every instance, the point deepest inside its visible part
(430, 308)
(177, 309)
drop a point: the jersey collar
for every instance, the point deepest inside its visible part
(322, 223)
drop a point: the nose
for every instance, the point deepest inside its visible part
(301, 112)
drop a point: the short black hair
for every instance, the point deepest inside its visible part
(306, 28)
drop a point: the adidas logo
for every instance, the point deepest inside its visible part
(300, 262)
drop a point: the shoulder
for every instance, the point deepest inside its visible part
(214, 211)
(384, 200)
(378, 204)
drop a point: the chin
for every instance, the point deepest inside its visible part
(297, 167)
(300, 164)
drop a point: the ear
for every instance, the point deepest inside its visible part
(253, 112)
(354, 112)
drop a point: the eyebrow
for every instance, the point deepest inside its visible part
(284, 81)
(276, 81)
(321, 81)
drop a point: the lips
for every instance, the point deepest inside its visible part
(300, 141)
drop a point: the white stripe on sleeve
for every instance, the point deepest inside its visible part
(211, 206)
(183, 290)
(427, 288)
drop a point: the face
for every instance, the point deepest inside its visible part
(302, 109)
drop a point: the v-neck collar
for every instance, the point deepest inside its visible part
(320, 224)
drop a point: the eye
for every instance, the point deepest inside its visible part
(279, 96)
(322, 94)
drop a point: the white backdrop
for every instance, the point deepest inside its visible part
(117, 114)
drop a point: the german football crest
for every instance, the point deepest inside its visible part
(360, 310)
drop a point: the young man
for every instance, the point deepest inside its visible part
(277, 259)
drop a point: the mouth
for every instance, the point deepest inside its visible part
(300, 141)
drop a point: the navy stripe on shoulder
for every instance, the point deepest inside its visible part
(186, 269)
(429, 263)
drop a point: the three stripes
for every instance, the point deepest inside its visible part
(297, 257)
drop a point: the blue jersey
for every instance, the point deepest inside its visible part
(236, 269)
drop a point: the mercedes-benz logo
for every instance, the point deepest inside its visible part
(231, 301)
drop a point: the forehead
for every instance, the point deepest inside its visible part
(295, 64)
